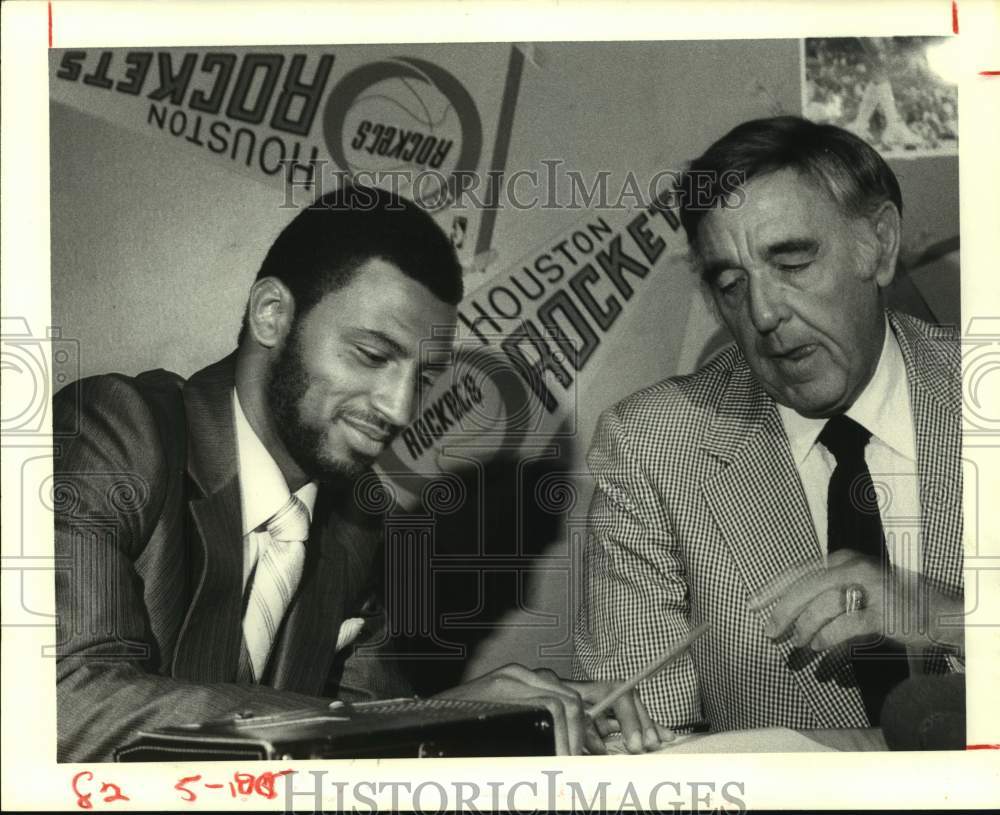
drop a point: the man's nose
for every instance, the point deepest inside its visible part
(395, 396)
(767, 308)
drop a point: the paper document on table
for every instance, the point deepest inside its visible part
(763, 740)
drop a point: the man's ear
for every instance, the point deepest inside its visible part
(888, 226)
(270, 311)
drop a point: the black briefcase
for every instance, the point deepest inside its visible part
(397, 728)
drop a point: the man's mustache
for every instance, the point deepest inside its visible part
(371, 419)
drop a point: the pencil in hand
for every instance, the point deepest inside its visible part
(653, 668)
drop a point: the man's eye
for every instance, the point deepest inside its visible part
(371, 357)
(728, 282)
(795, 267)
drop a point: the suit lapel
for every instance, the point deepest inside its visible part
(209, 640)
(932, 364)
(760, 507)
(756, 497)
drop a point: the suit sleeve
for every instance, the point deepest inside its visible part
(634, 602)
(110, 482)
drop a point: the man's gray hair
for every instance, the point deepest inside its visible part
(852, 172)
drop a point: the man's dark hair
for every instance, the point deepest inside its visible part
(323, 246)
(851, 171)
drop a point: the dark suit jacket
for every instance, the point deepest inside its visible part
(149, 584)
(698, 505)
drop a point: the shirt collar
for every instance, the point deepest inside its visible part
(263, 490)
(883, 408)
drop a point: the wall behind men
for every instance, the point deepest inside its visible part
(154, 247)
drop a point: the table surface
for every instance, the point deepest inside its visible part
(770, 740)
(853, 740)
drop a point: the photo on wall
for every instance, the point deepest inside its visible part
(897, 93)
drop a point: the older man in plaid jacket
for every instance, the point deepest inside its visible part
(802, 491)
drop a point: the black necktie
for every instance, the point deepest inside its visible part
(853, 522)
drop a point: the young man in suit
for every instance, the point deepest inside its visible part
(218, 558)
(802, 491)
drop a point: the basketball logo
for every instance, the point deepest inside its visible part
(404, 116)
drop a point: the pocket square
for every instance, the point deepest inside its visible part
(349, 630)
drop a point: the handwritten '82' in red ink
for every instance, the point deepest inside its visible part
(83, 798)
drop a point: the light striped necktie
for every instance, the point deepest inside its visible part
(275, 580)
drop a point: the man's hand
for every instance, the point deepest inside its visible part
(567, 702)
(628, 716)
(811, 606)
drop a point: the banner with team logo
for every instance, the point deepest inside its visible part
(415, 118)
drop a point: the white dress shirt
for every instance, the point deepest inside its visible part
(263, 490)
(883, 408)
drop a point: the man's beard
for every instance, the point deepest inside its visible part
(288, 382)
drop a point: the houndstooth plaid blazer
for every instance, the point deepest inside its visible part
(698, 504)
